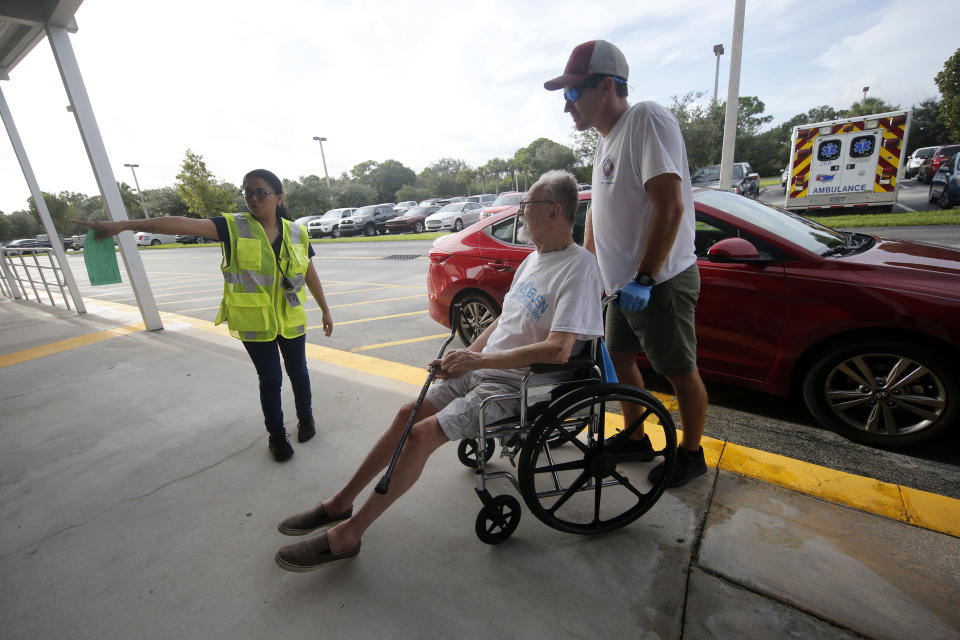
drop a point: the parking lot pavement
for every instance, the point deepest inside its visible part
(137, 499)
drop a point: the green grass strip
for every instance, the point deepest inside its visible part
(906, 219)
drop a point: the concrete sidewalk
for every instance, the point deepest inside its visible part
(137, 499)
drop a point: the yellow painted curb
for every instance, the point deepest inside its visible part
(932, 511)
(840, 487)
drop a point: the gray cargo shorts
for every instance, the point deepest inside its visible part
(457, 401)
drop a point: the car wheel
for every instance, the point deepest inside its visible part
(458, 225)
(154, 242)
(369, 230)
(335, 232)
(477, 312)
(418, 227)
(930, 196)
(884, 392)
(944, 200)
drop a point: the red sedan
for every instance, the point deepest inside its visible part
(866, 329)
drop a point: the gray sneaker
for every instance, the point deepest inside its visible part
(311, 554)
(302, 523)
(690, 464)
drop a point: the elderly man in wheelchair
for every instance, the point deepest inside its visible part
(552, 308)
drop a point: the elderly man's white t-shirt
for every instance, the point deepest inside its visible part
(644, 143)
(554, 291)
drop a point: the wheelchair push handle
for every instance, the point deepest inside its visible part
(384, 485)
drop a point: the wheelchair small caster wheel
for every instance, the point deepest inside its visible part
(468, 452)
(498, 519)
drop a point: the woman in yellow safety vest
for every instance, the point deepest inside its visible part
(266, 270)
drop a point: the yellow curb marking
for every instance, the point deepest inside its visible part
(381, 345)
(928, 510)
(356, 304)
(395, 315)
(66, 345)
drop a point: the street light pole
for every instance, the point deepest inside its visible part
(865, 89)
(327, 175)
(718, 51)
(139, 193)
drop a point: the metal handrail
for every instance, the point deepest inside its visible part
(20, 276)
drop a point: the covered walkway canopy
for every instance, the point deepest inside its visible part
(23, 24)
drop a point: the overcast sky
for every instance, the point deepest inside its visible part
(248, 84)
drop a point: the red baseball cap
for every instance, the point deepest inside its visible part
(589, 58)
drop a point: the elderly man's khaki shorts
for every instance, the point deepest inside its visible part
(457, 401)
(665, 330)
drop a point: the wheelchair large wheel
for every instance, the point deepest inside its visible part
(584, 487)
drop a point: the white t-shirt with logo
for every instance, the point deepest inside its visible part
(644, 143)
(554, 291)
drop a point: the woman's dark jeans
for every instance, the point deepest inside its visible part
(266, 358)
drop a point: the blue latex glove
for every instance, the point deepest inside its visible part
(634, 296)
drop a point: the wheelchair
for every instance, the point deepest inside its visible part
(565, 471)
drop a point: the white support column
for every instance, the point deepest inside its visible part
(55, 241)
(97, 152)
(733, 99)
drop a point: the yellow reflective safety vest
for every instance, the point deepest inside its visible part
(256, 303)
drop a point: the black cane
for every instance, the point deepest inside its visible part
(384, 483)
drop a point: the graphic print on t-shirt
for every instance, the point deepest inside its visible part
(607, 168)
(526, 295)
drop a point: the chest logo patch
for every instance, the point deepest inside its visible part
(608, 167)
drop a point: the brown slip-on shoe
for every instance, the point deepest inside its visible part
(302, 523)
(311, 554)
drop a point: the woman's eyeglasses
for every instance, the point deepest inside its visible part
(525, 204)
(259, 194)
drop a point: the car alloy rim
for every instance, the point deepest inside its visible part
(885, 394)
(475, 317)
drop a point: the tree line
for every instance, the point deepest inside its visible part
(198, 193)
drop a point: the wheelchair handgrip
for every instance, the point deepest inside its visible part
(572, 364)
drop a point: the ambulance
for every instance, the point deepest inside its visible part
(848, 163)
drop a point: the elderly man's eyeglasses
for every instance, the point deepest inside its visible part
(573, 94)
(524, 205)
(259, 194)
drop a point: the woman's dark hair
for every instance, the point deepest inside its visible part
(271, 179)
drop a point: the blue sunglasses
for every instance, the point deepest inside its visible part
(573, 94)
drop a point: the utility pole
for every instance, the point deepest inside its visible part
(718, 51)
(327, 175)
(865, 89)
(139, 193)
(733, 98)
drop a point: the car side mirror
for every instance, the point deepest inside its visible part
(734, 250)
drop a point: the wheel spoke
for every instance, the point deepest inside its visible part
(889, 420)
(567, 436)
(562, 466)
(873, 419)
(581, 479)
(842, 400)
(622, 479)
(908, 403)
(597, 491)
(916, 373)
(898, 368)
(862, 377)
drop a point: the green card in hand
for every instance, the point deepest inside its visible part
(101, 260)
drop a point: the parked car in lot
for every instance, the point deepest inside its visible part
(23, 243)
(930, 166)
(945, 186)
(188, 239)
(455, 216)
(503, 201)
(865, 329)
(915, 160)
(411, 220)
(329, 223)
(483, 198)
(145, 239)
(403, 206)
(368, 220)
(303, 221)
(784, 177)
(744, 180)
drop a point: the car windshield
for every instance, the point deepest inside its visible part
(924, 153)
(806, 233)
(451, 207)
(304, 220)
(507, 198)
(333, 214)
(706, 174)
(364, 211)
(949, 151)
(414, 211)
